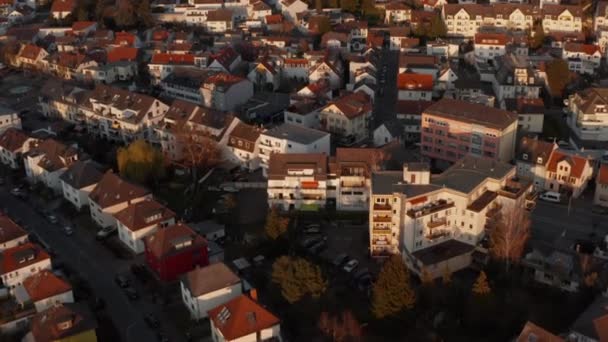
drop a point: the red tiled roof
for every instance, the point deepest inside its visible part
(540, 334)
(602, 176)
(408, 81)
(21, 256)
(63, 6)
(45, 284)
(143, 214)
(122, 54)
(160, 35)
(588, 49)
(112, 190)
(164, 241)
(82, 25)
(353, 105)
(9, 230)
(246, 317)
(491, 38)
(172, 58)
(13, 139)
(124, 38)
(226, 57)
(223, 79)
(577, 163)
(30, 51)
(296, 61)
(274, 19)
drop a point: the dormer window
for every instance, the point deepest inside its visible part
(524, 156)
(539, 160)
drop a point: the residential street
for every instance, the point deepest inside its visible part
(82, 253)
(384, 105)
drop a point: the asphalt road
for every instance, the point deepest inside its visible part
(95, 264)
(384, 106)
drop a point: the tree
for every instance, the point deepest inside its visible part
(144, 14)
(392, 292)
(324, 25)
(340, 327)
(446, 278)
(537, 37)
(481, 286)
(509, 235)
(297, 278)
(349, 5)
(319, 5)
(198, 150)
(276, 226)
(125, 14)
(558, 76)
(425, 277)
(140, 162)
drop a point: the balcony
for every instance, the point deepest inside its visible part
(382, 219)
(494, 211)
(382, 207)
(307, 197)
(430, 208)
(352, 184)
(382, 231)
(437, 223)
(437, 234)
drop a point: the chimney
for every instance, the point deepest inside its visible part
(253, 294)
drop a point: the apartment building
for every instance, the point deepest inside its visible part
(452, 129)
(588, 115)
(516, 77)
(562, 18)
(396, 13)
(225, 91)
(47, 160)
(489, 46)
(348, 117)
(530, 113)
(162, 64)
(414, 87)
(464, 20)
(582, 58)
(289, 138)
(436, 221)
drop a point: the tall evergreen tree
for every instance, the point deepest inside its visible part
(276, 226)
(392, 292)
(297, 278)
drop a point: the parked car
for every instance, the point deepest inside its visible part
(152, 321)
(340, 259)
(228, 188)
(122, 281)
(52, 219)
(551, 196)
(68, 231)
(317, 247)
(312, 229)
(131, 293)
(16, 191)
(106, 232)
(308, 242)
(351, 265)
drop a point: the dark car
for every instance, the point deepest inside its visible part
(317, 247)
(131, 293)
(122, 281)
(306, 243)
(340, 259)
(152, 321)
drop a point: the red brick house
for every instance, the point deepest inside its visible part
(175, 250)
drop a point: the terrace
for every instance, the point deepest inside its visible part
(430, 208)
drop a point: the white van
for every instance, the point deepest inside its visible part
(551, 196)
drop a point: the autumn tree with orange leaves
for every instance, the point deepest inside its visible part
(340, 327)
(509, 235)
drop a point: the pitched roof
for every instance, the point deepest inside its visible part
(21, 256)
(532, 332)
(172, 58)
(124, 38)
(63, 5)
(411, 81)
(143, 214)
(173, 239)
(245, 132)
(472, 113)
(530, 106)
(82, 25)
(9, 230)
(555, 10)
(353, 105)
(297, 133)
(274, 19)
(577, 163)
(12, 139)
(211, 278)
(246, 317)
(534, 149)
(30, 51)
(491, 38)
(62, 321)
(220, 15)
(112, 190)
(280, 163)
(588, 49)
(226, 57)
(55, 155)
(123, 99)
(45, 284)
(122, 53)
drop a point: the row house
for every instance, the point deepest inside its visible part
(515, 78)
(111, 195)
(348, 117)
(601, 186)
(532, 158)
(329, 70)
(489, 46)
(20, 262)
(14, 143)
(582, 58)
(588, 115)
(31, 57)
(397, 13)
(312, 181)
(227, 60)
(11, 234)
(142, 219)
(265, 74)
(207, 287)
(162, 64)
(464, 20)
(69, 65)
(568, 18)
(110, 72)
(60, 100)
(219, 21)
(175, 250)
(289, 138)
(435, 222)
(44, 290)
(119, 115)
(452, 129)
(78, 181)
(414, 87)
(226, 92)
(242, 146)
(568, 173)
(304, 112)
(47, 160)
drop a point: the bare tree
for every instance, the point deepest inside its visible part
(509, 236)
(199, 150)
(378, 157)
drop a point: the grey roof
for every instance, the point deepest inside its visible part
(393, 126)
(584, 324)
(296, 133)
(82, 174)
(443, 251)
(388, 182)
(467, 173)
